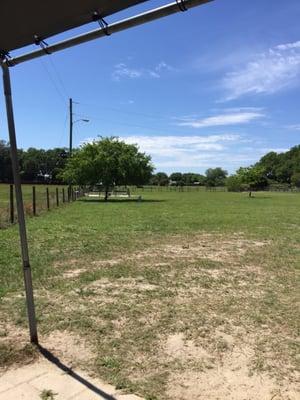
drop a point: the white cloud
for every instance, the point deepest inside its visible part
(121, 70)
(268, 72)
(295, 127)
(163, 66)
(183, 151)
(276, 150)
(197, 153)
(286, 46)
(222, 120)
(161, 144)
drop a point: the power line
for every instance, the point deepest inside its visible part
(57, 89)
(120, 123)
(152, 116)
(63, 130)
(58, 75)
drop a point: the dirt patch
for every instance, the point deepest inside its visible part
(105, 263)
(177, 347)
(229, 378)
(74, 273)
(66, 263)
(13, 334)
(121, 284)
(72, 268)
(68, 347)
(15, 348)
(212, 247)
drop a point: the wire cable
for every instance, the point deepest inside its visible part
(63, 130)
(116, 122)
(151, 116)
(59, 78)
(56, 87)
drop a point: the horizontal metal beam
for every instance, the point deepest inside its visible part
(139, 19)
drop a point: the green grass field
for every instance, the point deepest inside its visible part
(169, 296)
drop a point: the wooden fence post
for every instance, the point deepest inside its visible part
(57, 197)
(33, 201)
(47, 199)
(63, 195)
(11, 201)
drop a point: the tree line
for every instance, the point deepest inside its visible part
(36, 165)
(213, 177)
(273, 170)
(111, 161)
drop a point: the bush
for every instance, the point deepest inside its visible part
(234, 184)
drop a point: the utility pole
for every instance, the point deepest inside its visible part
(71, 127)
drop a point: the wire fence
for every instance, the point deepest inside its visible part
(155, 188)
(166, 188)
(36, 199)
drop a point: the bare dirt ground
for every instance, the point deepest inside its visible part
(196, 317)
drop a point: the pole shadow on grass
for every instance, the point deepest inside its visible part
(122, 201)
(253, 197)
(56, 361)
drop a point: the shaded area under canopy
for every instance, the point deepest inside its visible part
(22, 21)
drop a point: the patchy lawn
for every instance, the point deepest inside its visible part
(183, 296)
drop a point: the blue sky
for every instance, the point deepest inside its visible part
(218, 85)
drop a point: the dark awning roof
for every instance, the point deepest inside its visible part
(20, 21)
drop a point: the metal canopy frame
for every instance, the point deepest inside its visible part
(26, 22)
(6, 62)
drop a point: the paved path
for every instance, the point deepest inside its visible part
(28, 382)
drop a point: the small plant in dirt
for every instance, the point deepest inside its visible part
(47, 394)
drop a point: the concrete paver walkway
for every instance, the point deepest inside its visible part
(28, 383)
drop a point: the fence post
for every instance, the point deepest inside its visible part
(47, 199)
(69, 194)
(11, 201)
(57, 197)
(33, 201)
(63, 195)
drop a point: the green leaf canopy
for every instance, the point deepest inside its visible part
(110, 162)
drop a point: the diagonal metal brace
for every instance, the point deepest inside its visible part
(40, 42)
(5, 58)
(181, 5)
(101, 21)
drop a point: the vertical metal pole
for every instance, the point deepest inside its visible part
(20, 207)
(71, 127)
(71, 136)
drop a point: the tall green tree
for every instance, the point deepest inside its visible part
(109, 162)
(159, 179)
(190, 178)
(177, 178)
(254, 177)
(270, 163)
(5, 163)
(215, 176)
(295, 179)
